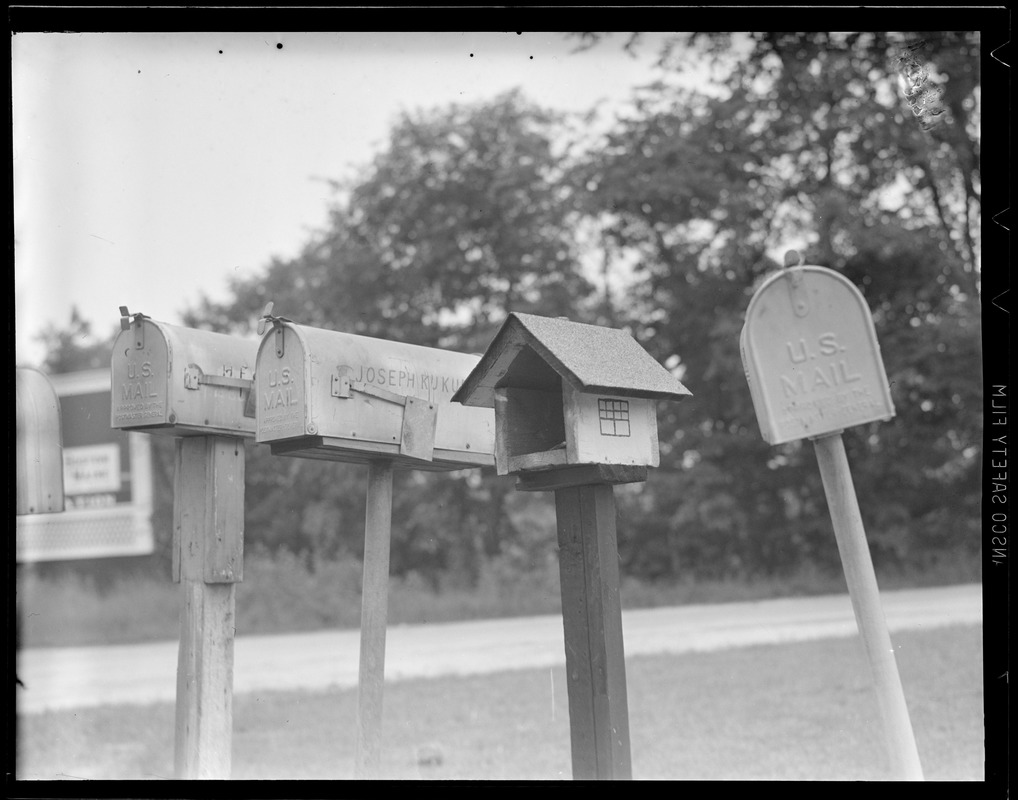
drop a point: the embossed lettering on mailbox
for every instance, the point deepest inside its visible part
(811, 356)
(139, 386)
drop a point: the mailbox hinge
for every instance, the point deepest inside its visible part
(341, 386)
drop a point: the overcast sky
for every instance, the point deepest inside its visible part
(149, 168)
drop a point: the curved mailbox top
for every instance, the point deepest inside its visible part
(811, 356)
(40, 463)
(343, 397)
(182, 381)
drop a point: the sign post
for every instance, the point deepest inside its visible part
(342, 397)
(374, 617)
(196, 386)
(814, 368)
(208, 522)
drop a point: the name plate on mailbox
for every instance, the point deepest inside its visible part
(811, 356)
(342, 397)
(182, 381)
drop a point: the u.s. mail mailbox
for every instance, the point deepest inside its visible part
(811, 356)
(181, 381)
(566, 393)
(343, 397)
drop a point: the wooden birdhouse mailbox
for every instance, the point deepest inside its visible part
(567, 394)
(574, 414)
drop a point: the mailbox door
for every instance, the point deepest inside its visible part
(811, 356)
(140, 375)
(283, 379)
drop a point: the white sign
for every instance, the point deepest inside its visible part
(92, 469)
(811, 356)
(107, 482)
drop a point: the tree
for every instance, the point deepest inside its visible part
(75, 347)
(807, 140)
(462, 218)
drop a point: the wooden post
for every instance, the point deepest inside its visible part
(208, 522)
(869, 616)
(592, 618)
(374, 612)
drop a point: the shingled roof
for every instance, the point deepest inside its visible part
(588, 357)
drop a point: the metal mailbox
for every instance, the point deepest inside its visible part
(811, 356)
(40, 465)
(343, 397)
(181, 381)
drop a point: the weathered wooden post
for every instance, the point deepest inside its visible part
(575, 414)
(814, 368)
(342, 397)
(195, 385)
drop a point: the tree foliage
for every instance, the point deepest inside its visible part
(861, 150)
(462, 218)
(810, 142)
(75, 347)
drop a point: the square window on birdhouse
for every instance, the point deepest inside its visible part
(614, 416)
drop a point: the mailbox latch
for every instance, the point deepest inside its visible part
(420, 417)
(194, 378)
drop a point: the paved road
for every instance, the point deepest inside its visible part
(73, 677)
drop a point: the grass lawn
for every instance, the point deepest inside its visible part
(803, 711)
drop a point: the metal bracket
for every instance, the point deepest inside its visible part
(341, 386)
(192, 377)
(377, 391)
(195, 378)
